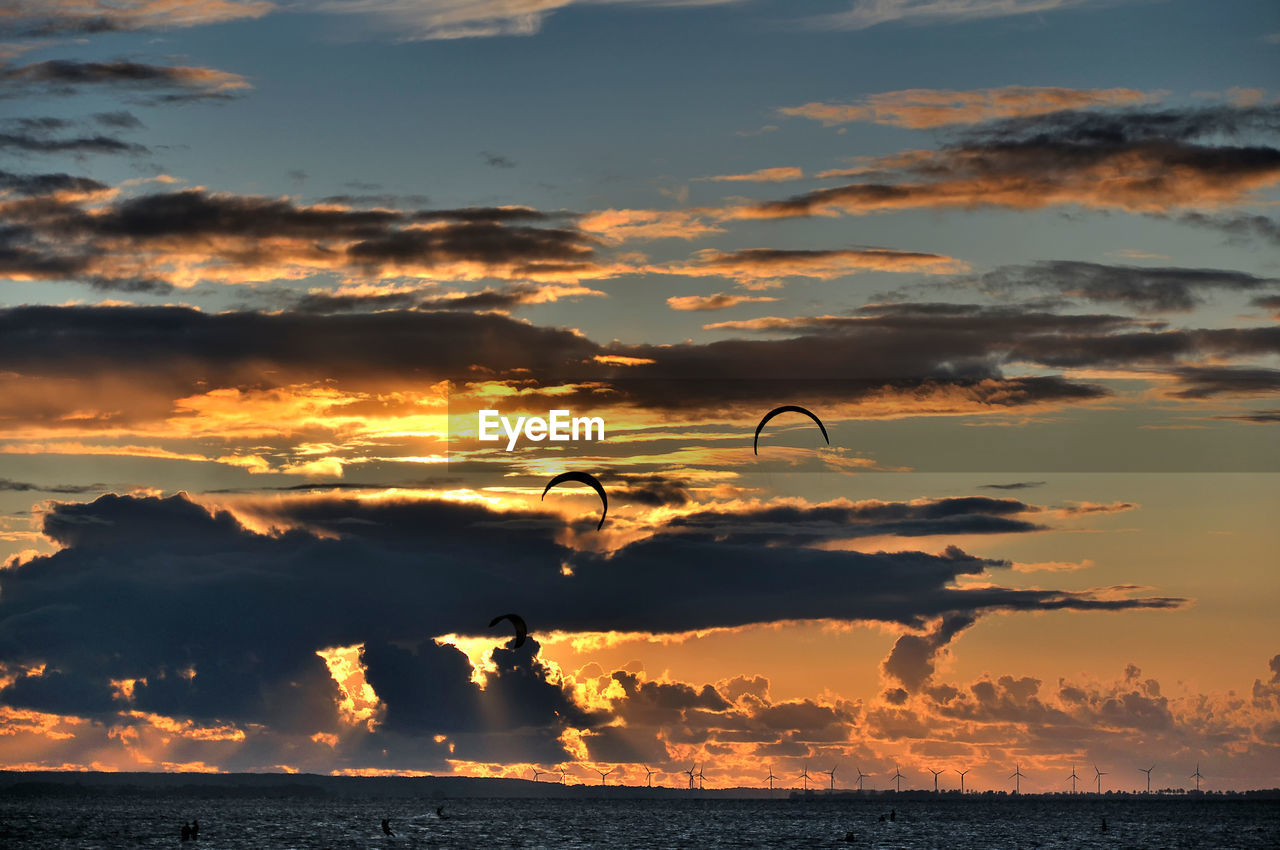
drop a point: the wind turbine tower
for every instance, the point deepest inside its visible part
(897, 777)
(1017, 776)
(537, 773)
(832, 774)
(690, 772)
(648, 776)
(935, 779)
(1147, 771)
(805, 774)
(771, 777)
(603, 773)
(962, 773)
(1100, 774)
(861, 776)
(700, 778)
(1197, 777)
(1073, 778)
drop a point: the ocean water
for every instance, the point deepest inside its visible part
(141, 821)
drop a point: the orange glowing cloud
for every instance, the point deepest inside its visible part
(920, 109)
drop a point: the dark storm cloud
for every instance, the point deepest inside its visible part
(223, 623)
(1257, 417)
(1139, 160)
(42, 18)
(119, 120)
(1268, 302)
(494, 160)
(1239, 227)
(487, 299)
(254, 237)
(956, 353)
(1143, 289)
(652, 490)
(1118, 127)
(1015, 485)
(28, 487)
(1200, 382)
(912, 659)
(775, 524)
(41, 144)
(47, 184)
(163, 83)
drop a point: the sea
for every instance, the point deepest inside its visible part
(134, 821)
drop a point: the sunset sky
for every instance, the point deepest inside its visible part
(264, 263)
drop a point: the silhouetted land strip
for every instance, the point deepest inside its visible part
(15, 784)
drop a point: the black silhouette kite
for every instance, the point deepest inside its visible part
(786, 408)
(521, 629)
(583, 478)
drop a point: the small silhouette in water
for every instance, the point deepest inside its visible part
(386, 827)
(893, 814)
(195, 830)
(849, 837)
(186, 832)
(440, 813)
(1104, 824)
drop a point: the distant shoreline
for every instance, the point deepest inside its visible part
(56, 782)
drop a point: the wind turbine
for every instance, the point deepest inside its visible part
(897, 777)
(562, 774)
(1073, 778)
(832, 774)
(1100, 774)
(805, 773)
(771, 777)
(862, 776)
(1017, 776)
(537, 773)
(603, 773)
(962, 773)
(648, 776)
(1147, 771)
(690, 772)
(935, 779)
(1197, 777)
(700, 778)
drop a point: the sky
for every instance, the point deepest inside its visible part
(264, 264)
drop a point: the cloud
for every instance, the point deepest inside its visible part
(452, 19)
(1240, 228)
(1152, 290)
(764, 175)
(774, 524)
(716, 301)
(214, 630)
(323, 377)
(189, 236)
(496, 160)
(61, 489)
(919, 109)
(170, 84)
(31, 185)
(1257, 417)
(1201, 382)
(27, 143)
(503, 299)
(1143, 161)
(753, 265)
(869, 13)
(1016, 485)
(57, 17)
